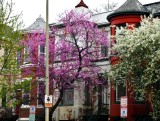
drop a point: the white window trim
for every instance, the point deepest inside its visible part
(23, 119)
(39, 52)
(24, 62)
(25, 106)
(104, 95)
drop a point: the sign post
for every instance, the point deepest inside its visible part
(123, 109)
(47, 59)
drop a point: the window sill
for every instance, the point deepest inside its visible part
(25, 106)
(40, 106)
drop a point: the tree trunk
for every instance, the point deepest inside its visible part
(53, 108)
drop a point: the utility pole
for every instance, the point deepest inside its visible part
(108, 5)
(47, 61)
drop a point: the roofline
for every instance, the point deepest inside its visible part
(151, 3)
(102, 24)
(59, 25)
(102, 12)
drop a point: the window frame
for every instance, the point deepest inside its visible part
(87, 100)
(124, 85)
(104, 51)
(27, 59)
(42, 80)
(26, 105)
(64, 99)
(39, 50)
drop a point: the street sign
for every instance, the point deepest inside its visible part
(123, 105)
(48, 101)
(123, 112)
(124, 101)
(32, 109)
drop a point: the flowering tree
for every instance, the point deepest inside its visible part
(139, 55)
(73, 50)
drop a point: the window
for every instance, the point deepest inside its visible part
(104, 94)
(118, 32)
(26, 92)
(41, 50)
(87, 100)
(68, 97)
(139, 93)
(19, 59)
(40, 93)
(26, 55)
(104, 51)
(41, 54)
(120, 90)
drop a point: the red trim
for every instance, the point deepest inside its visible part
(125, 19)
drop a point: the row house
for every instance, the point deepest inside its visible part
(30, 84)
(105, 100)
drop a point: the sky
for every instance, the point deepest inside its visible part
(32, 9)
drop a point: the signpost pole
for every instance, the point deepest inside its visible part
(47, 61)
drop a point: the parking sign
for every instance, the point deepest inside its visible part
(123, 105)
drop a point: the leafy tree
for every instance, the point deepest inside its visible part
(139, 60)
(73, 49)
(10, 36)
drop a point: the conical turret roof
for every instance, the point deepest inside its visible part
(128, 8)
(81, 4)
